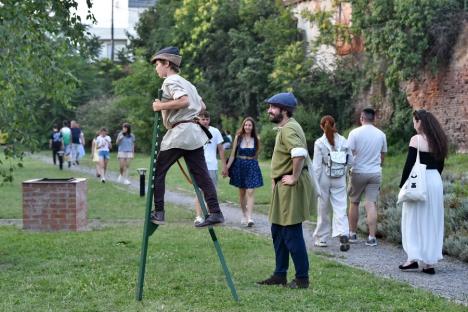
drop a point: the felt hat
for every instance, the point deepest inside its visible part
(170, 54)
(285, 99)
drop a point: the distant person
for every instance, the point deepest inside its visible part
(368, 145)
(292, 196)
(55, 143)
(95, 154)
(180, 105)
(422, 223)
(243, 168)
(331, 153)
(66, 140)
(126, 151)
(214, 145)
(77, 142)
(104, 145)
(227, 138)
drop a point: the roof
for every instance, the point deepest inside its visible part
(141, 3)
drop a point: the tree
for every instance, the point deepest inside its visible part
(38, 40)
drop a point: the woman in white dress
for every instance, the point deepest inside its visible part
(422, 223)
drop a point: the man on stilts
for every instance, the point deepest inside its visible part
(292, 193)
(180, 105)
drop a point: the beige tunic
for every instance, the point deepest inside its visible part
(188, 136)
(290, 204)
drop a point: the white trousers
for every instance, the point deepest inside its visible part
(333, 193)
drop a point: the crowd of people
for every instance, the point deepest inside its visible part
(341, 171)
(68, 146)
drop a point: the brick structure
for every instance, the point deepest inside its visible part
(446, 94)
(55, 204)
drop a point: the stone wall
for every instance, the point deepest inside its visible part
(446, 94)
(53, 205)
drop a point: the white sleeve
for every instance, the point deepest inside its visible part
(299, 152)
(218, 138)
(317, 162)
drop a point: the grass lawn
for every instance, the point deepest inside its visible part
(97, 270)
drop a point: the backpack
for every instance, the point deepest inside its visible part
(337, 160)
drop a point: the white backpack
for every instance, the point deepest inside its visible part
(337, 160)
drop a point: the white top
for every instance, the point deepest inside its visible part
(103, 143)
(188, 136)
(211, 148)
(366, 143)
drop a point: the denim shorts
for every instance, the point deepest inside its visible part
(104, 155)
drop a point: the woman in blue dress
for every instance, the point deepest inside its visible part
(243, 168)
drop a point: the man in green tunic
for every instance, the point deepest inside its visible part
(292, 193)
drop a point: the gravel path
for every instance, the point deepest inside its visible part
(450, 280)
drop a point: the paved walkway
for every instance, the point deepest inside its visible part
(450, 281)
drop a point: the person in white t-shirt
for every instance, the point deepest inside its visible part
(103, 145)
(210, 149)
(368, 145)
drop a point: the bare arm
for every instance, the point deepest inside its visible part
(181, 102)
(221, 155)
(382, 157)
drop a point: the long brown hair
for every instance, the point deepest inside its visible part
(240, 132)
(436, 137)
(329, 128)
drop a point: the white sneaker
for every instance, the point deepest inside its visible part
(103, 180)
(119, 179)
(250, 223)
(126, 182)
(320, 244)
(244, 221)
(198, 220)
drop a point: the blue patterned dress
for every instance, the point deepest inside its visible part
(245, 173)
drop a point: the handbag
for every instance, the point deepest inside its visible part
(414, 188)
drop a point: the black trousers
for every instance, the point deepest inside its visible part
(196, 163)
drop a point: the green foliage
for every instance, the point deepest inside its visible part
(401, 38)
(39, 41)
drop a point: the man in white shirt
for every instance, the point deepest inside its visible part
(210, 149)
(368, 145)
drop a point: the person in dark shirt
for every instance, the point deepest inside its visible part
(422, 222)
(55, 143)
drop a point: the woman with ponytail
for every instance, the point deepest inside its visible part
(331, 155)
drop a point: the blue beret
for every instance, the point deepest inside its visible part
(285, 99)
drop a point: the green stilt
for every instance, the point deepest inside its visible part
(149, 227)
(215, 241)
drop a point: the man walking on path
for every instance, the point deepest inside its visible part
(77, 141)
(369, 146)
(214, 145)
(66, 137)
(292, 193)
(180, 105)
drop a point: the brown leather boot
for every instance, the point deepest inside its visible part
(299, 283)
(274, 280)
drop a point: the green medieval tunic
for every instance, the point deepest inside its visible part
(290, 204)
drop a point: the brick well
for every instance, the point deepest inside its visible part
(55, 204)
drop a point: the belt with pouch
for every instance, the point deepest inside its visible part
(207, 132)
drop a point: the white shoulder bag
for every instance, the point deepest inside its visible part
(414, 188)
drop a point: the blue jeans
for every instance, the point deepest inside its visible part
(288, 240)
